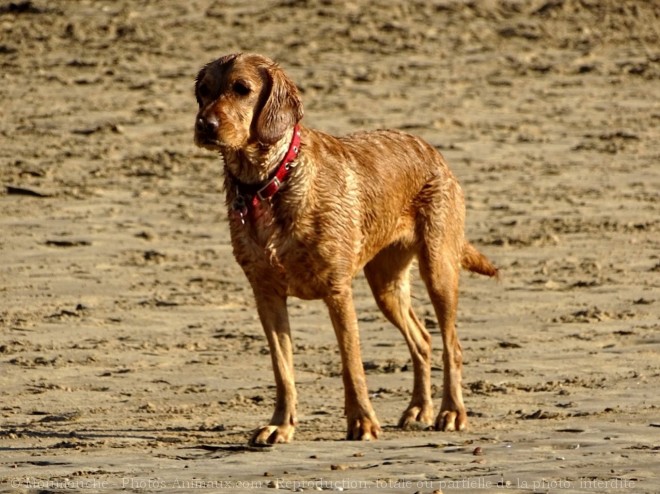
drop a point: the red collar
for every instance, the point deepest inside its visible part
(250, 196)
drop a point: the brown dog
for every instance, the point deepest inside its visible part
(308, 210)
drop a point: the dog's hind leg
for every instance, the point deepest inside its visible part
(441, 231)
(441, 278)
(388, 276)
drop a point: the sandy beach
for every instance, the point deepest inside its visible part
(131, 355)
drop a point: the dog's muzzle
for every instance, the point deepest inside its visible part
(206, 130)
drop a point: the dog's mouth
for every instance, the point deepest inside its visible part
(210, 142)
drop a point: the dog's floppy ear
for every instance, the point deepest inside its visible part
(281, 108)
(198, 81)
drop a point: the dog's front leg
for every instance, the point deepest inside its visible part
(362, 421)
(275, 321)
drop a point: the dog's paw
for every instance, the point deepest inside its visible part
(363, 429)
(272, 434)
(451, 420)
(417, 417)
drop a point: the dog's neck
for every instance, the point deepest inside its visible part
(254, 163)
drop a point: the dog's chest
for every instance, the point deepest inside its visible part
(269, 253)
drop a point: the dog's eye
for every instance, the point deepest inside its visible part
(241, 88)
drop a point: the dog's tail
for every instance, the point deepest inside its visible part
(475, 261)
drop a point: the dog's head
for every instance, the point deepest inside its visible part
(244, 99)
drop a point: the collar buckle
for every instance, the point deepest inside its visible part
(269, 190)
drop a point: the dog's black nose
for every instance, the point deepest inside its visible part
(207, 125)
